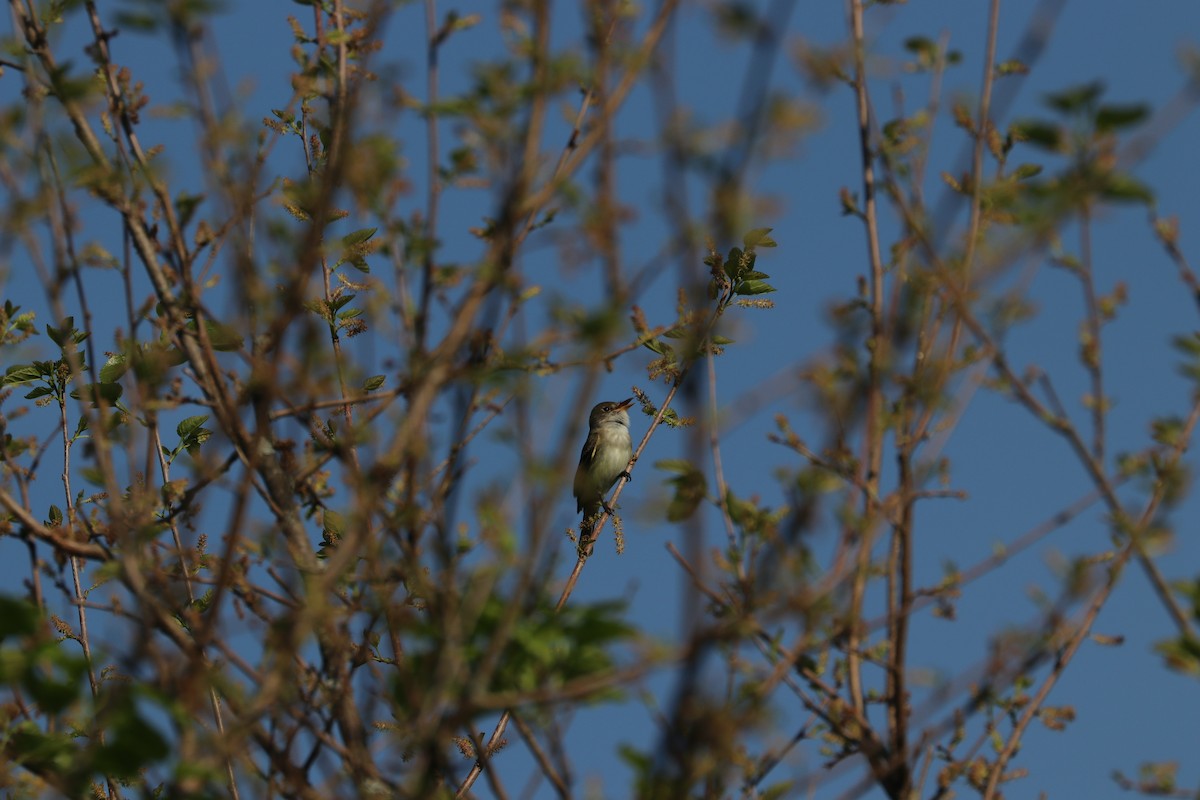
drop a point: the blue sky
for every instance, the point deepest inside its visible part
(1016, 472)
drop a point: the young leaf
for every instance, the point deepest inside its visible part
(733, 264)
(690, 490)
(21, 373)
(114, 368)
(95, 392)
(1123, 188)
(190, 425)
(1076, 98)
(677, 465)
(1110, 118)
(1027, 171)
(223, 337)
(1040, 134)
(754, 287)
(358, 236)
(192, 434)
(758, 238)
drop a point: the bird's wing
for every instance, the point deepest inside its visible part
(583, 491)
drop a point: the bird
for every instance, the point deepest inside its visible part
(604, 459)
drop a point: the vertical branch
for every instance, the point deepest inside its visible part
(1091, 351)
(185, 571)
(542, 759)
(900, 600)
(876, 346)
(77, 565)
(921, 157)
(983, 128)
(76, 562)
(981, 133)
(607, 206)
(338, 119)
(433, 41)
(528, 168)
(714, 445)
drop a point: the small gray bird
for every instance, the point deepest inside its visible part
(605, 455)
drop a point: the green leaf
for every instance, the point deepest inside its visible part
(186, 205)
(332, 522)
(1012, 67)
(1114, 117)
(67, 334)
(758, 238)
(733, 264)
(1181, 654)
(158, 361)
(1027, 171)
(132, 743)
(93, 475)
(223, 337)
(55, 691)
(1123, 188)
(920, 46)
(40, 391)
(690, 490)
(639, 762)
(776, 791)
(56, 517)
(17, 618)
(114, 368)
(190, 425)
(354, 249)
(55, 752)
(676, 465)
(21, 373)
(1075, 98)
(192, 433)
(97, 392)
(59, 335)
(754, 287)
(374, 382)
(1040, 134)
(456, 23)
(740, 511)
(358, 237)
(656, 346)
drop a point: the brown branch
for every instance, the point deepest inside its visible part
(539, 755)
(872, 441)
(1084, 626)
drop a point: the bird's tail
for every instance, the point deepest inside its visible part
(588, 526)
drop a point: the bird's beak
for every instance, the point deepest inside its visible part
(624, 404)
